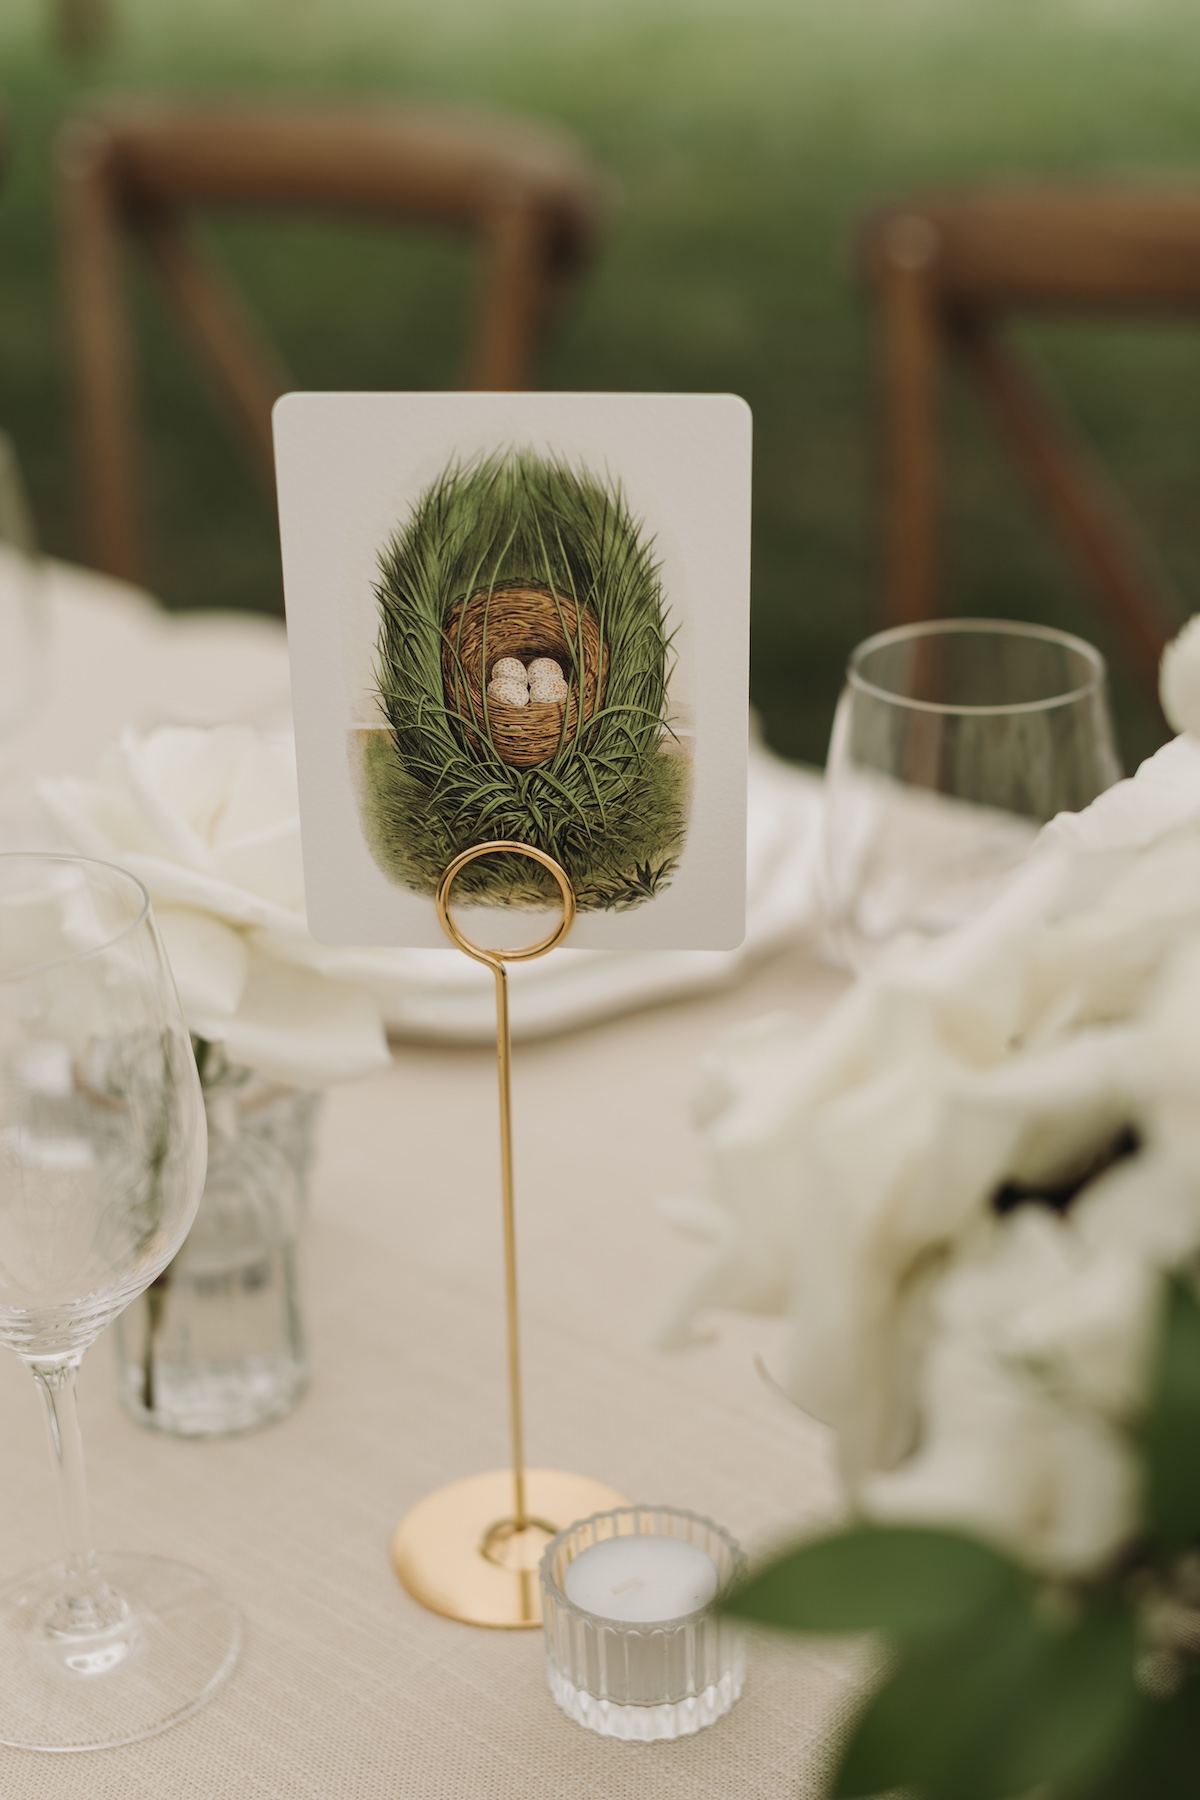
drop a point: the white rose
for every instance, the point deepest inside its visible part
(1054, 1484)
(842, 1187)
(1038, 1358)
(1073, 1311)
(895, 1177)
(971, 992)
(1145, 1209)
(209, 822)
(1101, 954)
(1163, 794)
(972, 1367)
(1179, 679)
(1172, 1072)
(1040, 1117)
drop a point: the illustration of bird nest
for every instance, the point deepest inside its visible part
(522, 665)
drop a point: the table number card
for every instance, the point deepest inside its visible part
(520, 616)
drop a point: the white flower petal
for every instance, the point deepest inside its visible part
(1179, 679)
(262, 792)
(1163, 794)
(208, 821)
(1038, 1118)
(178, 780)
(298, 1027)
(1038, 1294)
(268, 862)
(1145, 1210)
(96, 821)
(173, 883)
(1172, 1073)
(209, 961)
(1004, 1459)
(190, 773)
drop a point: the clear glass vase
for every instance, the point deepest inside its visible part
(216, 1345)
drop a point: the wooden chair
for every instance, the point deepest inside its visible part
(82, 28)
(526, 195)
(947, 270)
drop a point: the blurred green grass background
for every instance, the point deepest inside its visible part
(746, 140)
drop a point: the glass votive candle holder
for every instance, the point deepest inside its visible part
(635, 1646)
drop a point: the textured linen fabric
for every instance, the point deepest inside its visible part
(347, 1687)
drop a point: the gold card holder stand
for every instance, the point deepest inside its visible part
(471, 1550)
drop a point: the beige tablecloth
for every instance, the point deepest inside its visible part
(346, 1686)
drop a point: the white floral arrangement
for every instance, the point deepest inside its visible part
(974, 1190)
(208, 820)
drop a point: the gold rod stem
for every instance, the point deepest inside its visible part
(495, 961)
(504, 1065)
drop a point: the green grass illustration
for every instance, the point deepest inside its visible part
(609, 797)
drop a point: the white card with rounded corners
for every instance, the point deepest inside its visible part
(519, 617)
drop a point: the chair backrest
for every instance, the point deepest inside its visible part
(525, 194)
(948, 269)
(1078, 246)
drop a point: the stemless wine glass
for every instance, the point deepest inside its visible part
(102, 1151)
(953, 743)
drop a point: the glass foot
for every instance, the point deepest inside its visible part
(154, 1652)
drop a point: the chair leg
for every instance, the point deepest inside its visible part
(910, 350)
(1092, 517)
(245, 368)
(101, 355)
(511, 305)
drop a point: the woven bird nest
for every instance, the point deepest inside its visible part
(518, 555)
(525, 622)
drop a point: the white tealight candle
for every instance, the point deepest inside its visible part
(635, 1647)
(641, 1580)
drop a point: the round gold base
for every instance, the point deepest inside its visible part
(458, 1553)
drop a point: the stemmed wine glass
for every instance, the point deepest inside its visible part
(102, 1155)
(954, 742)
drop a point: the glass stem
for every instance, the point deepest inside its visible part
(87, 1598)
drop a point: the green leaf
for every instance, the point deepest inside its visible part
(1078, 1712)
(1162, 1760)
(905, 1580)
(925, 1726)
(1172, 1429)
(1002, 1705)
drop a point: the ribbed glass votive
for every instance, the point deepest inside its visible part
(634, 1646)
